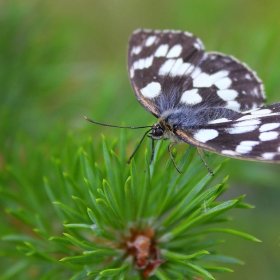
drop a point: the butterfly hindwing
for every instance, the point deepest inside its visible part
(237, 87)
(251, 135)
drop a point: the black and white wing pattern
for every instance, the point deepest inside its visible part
(172, 67)
(208, 100)
(252, 135)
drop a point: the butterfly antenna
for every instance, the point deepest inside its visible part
(104, 124)
(139, 144)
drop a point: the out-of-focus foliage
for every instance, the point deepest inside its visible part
(61, 60)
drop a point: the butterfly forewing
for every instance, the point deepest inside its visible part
(158, 60)
(170, 67)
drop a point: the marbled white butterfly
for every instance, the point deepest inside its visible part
(208, 100)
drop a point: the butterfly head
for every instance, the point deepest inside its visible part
(164, 130)
(157, 132)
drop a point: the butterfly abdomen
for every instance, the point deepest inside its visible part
(191, 118)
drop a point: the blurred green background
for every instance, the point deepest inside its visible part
(61, 60)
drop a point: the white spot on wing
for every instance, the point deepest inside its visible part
(249, 143)
(150, 41)
(196, 72)
(247, 117)
(229, 153)
(205, 135)
(255, 91)
(247, 76)
(243, 149)
(151, 90)
(246, 146)
(191, 97)
(223, 83)
(227, 94)
(198, 80)
(268, 136)
(268, 156)
(212, 56)
(246, 123)
(175, 51)
(269, 126)
(197, 46)
(143, 63)
(148, 62)
(131, 72)
(250, 111)
(243, 127)
(206, 80)
(166, 67)
(221, 120)
(175, 67)
(226, 59)
(233, 105)
(188, 34)
(161, 50)
(261, 112)
(184, 69)
(136, 50)
(138, 31)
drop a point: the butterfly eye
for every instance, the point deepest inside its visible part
(158, 131)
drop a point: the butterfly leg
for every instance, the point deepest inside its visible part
(204, 162)
(172, 158)
(205, 153)
(153, 151)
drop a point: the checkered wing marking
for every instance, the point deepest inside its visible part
(253, 135)
(231, 83)
(158, 60)
(169, 69)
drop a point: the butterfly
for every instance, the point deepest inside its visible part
(206, 99)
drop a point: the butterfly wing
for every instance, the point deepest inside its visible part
(234, 85)
(155, 58)
(169, 69)
(251, 135)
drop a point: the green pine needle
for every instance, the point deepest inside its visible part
(127, 222)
